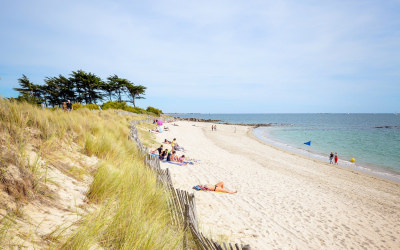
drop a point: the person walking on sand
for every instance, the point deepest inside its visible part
(336, 158)
(212, 127)
(331, 158)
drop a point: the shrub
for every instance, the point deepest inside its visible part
(91, 106)
(136, 110)
(114, 105)
(123, 106)
(76, 105)
(154, 110)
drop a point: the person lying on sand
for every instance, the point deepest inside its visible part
(167, 142)
(219, 187)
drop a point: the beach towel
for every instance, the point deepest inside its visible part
(173, 162)
(201, 188)
(198, 188)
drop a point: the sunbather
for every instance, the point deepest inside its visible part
(182, 158)
(219, 187)
(160, 149)
(174, 157)
(175, 146)
(169, 155)
(163, 154)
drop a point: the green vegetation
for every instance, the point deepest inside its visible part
(124, 106)
(132, 211)
(154, 110)
(80, 87)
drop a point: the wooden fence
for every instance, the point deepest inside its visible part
(181, 203)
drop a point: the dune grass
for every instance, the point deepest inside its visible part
(147, 138)
(132, 211)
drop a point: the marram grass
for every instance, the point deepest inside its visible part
(132, 211)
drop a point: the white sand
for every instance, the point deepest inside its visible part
(284, 200)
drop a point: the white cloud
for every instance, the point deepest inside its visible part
(285, 50)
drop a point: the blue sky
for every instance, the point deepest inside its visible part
(215, 56)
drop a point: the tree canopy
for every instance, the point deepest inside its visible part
(80, 87)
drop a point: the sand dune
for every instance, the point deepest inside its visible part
(284, 200)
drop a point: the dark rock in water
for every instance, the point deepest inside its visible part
(263, 125)
(256, 125)
(398, 127)
(198, 120)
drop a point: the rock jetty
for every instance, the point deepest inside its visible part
(255, 125)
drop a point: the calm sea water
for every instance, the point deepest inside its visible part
(376, 150)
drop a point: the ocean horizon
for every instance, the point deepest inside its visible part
(372, 139)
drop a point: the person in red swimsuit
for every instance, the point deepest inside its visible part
(336, 158)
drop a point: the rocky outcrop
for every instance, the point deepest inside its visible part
(255, 125)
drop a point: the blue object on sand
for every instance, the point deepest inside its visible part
(172, 162)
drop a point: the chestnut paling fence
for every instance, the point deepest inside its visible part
(181, 203)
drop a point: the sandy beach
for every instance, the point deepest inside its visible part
(284, 200)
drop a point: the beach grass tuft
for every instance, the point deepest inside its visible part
(131, 209)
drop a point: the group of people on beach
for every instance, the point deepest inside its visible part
(171, 156)
(333, 157)
(213, 127)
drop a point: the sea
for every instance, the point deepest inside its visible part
(372, 140)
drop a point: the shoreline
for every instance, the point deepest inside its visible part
(284, 200)
(370, 169)
(355, 169)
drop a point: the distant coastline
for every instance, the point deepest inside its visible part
(254, 125)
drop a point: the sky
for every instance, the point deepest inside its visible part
(215, 56)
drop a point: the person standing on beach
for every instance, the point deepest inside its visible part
(212, 127)
(331, 158)
(336, 158)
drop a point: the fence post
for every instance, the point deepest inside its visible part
(186, 228)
